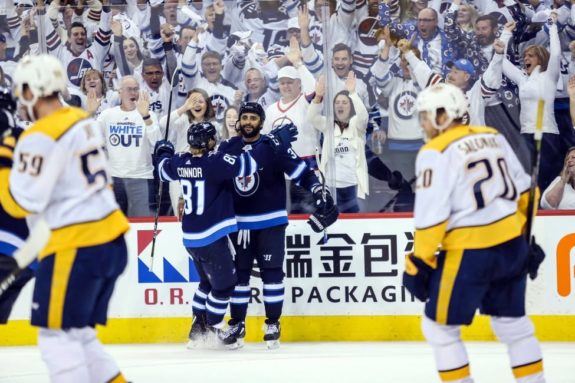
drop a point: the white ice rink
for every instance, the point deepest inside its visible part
(385, 362)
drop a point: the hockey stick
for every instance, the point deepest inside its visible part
(323, 193)
(395, 197)
(535, 171)
(160, 187)
(25, 255)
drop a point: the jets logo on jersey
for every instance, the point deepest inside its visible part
(76, 70)
(367, 31)
(283, 120)
(247, 186)
(404, 105)
(220, 104)
(125, 134)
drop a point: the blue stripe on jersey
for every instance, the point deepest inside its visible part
(262, 221)
(9, 242)
(210, 235)
(7, 249)
(298, 171)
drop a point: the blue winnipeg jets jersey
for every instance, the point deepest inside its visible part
(207, 193)
(260, 199)
(13, 232)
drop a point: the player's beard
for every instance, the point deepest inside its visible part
(255, 131)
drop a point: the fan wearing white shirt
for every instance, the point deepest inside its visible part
(130, 132)
(541, 69)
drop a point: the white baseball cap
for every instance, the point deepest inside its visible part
(288, 72)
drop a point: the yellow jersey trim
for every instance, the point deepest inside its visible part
(483, 236)
(63, 262)
(58, 123)
(455, 374)
(444, 140)
(86, 234)
(118, 379)
(450, 269)
(427, 241)
(7, 200)
(528, 369)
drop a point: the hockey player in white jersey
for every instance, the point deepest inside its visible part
(59, 172)
(471, 199)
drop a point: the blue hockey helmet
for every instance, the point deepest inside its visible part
(200, 134)
(252, 107)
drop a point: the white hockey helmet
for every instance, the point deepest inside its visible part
(43, 75)
(442, 96)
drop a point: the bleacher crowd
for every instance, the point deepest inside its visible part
(346, 73)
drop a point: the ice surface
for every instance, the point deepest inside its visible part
(386, 362)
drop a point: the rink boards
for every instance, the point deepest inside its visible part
(347, 289)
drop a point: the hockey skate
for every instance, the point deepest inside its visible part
(220, 338)
(198, 333)
(272, 334)
(237, 329)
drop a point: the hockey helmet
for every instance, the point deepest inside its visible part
(200, 134)
(252, 107)
(442, 96)
(43, 75)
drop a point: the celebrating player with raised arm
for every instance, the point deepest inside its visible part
(208, 218)
(260, 205)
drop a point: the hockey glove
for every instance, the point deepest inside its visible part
(416, 277)
(535, 258)
(162, 149)
(285, 134)
(319, 201)
(326, 212)
(396, 180)
(7, 144)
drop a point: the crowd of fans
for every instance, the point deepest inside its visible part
(345, 72)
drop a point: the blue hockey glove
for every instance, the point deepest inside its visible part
(285, 134)
(416, 277)
(326, 212)
(535, 258)
(7, 145)
(162, 149)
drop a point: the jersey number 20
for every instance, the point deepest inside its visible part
(188, 194)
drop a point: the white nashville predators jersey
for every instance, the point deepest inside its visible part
(471, 191)
(60, 171)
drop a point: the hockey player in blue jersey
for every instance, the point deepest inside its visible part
(208, 218)
(13, 231)
(260, 205)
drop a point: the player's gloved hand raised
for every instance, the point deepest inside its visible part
(326, 212)
(164, 148)
(536, 257)
(285, 134)
(416, 277)
(7, 144)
